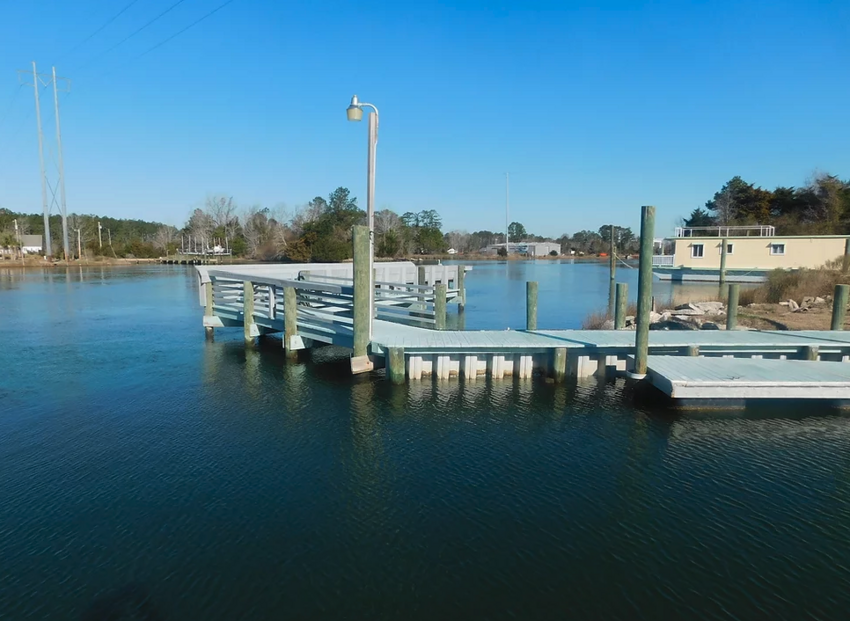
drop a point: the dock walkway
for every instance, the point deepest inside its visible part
(583, 353)
(742, 380)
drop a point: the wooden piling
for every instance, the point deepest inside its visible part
(810, 352)
(395, 365)
(559, 364)
(248, 309)
(362, 321)
(461, 286)
(845, 263)
(531, 305)
(420, 276)
(732, 306)
(723, 248)
(647, 234)
(612, 258)
(290, 321)
(622, 301)
(440, 306)
(209, 331)
(839, 306)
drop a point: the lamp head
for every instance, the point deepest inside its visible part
(354, 111)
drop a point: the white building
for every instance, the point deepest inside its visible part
(531, 249)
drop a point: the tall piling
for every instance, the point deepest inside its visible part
(531, 305)
(839, 306)
(248, 309)
(845, 263)
(612, 270)
(621, 305)
(440, 306)
(290, 321)
(461, 286)
(732, 306)
(209, 331)
(362, 321)
(723, 248)
(420, 276)
(647, 232)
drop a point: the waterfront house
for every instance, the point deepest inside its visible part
(696, 253)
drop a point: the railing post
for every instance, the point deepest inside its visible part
(621, 305)
(209, 331)
(531, 305)
(362, 320)
(290, 321)
(839, 306)
(461, 285)
(647, 233)
(248, 309)
(440, 306)
(732, 306)
(395, 365)
(723, 247)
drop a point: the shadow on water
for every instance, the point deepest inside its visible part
(132, 602)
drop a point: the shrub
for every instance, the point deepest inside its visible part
(553, 253)
(779, 283)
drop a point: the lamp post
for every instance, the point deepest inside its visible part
(355, 113)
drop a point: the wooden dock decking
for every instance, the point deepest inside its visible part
(582, 353)
(739, 379)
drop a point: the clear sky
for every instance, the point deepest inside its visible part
(595, 108)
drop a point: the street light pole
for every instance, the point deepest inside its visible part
(355, 113)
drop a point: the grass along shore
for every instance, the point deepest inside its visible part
(787, 300)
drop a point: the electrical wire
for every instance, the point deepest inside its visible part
(179, 32)
(92, 35)
(11, 103)
(134, 33)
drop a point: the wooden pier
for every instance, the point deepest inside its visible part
(329, 304)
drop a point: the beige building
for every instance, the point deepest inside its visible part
(748, 258)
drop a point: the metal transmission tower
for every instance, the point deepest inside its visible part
(40, 79)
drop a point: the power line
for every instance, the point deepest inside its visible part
(179, 32)
(11, 103)
(88, 38)
(134, 33)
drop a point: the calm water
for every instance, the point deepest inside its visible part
(145, 471)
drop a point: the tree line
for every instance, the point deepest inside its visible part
(319, 231)
(820, 207)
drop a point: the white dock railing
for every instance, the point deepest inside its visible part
(663, 260)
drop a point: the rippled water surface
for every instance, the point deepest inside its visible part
(146, 472)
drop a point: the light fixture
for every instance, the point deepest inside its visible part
(354, 110)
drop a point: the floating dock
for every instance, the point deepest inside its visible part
(713, 379)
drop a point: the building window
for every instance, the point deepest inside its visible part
(696, 251)
(777, 249)
(729, 248)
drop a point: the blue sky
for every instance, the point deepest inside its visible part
(594, 108)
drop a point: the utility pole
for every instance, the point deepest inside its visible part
(48, 246)
(99, 235)
(44, 80)
(507, 208)
(61, 169)
(18, 239)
